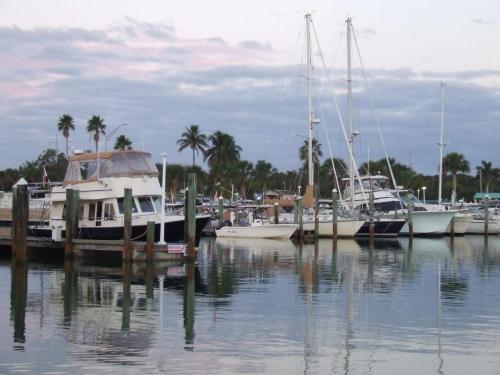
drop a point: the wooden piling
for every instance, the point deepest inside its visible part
(301, 219)
(191, 216)
(335, 207)
(150, 240)
(296, 210)
(409, 205)
(127, 225)
(486, 214)
(371, 224)
(276, 213)
(221, 211)
(186, 190)
(19, 231)
(72, 218)
(316, 211)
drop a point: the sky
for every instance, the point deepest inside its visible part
(238, 67)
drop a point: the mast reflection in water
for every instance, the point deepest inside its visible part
(261, 306)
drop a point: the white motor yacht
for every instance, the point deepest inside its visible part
(101, 179)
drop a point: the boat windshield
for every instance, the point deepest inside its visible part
(112, 164)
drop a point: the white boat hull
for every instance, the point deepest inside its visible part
(477, 227)
(428, 223)
(460, 223)
(345, 228)
(258, 231)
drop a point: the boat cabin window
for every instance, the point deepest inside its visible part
(64, 213)
(157, 204)
(80, 212)
(109, 211)
(146, 204)
(120, 206)
(91, 211)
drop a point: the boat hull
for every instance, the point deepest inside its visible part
(428, 223)
(460, 224)
(258, 231)
(174, 232)
(383, 228)
(477, 227)
(345, 228)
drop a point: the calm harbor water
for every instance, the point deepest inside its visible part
(261, 306)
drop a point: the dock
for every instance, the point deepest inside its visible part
(82, 247)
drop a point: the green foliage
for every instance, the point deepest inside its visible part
(64, 125)
(222, 155)
(123, 143)
(96, 127)
(193, 139)
(32, 171)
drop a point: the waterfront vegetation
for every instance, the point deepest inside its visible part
(226, 167)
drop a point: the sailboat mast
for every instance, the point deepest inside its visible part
(349, 107)
(441, 143)
(309, 100)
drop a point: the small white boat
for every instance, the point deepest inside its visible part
(258, 229)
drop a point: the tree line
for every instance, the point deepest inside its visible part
(228, 171)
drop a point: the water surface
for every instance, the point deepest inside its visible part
(261, 306)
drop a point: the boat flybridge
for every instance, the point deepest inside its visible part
(101, 179)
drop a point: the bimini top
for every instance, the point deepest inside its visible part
(83, 167)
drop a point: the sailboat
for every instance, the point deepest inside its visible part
(383, 226)
(460, 219)
(346, 227)
(424, 223)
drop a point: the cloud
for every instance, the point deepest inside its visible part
(484, 21)
(367, 32)
(255, 45)
(158, 82)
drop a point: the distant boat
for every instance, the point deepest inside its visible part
(258, 229)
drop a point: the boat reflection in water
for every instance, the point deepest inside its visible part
(262, 306)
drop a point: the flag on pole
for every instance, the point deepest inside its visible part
(45, 178)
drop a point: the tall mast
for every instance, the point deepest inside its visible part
(309, 99)
(441, 143)
(349, 108)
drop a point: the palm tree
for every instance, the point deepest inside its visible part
(123, 143)
(487, 172)
(453, 163)
(96, 127)
(223, 150)
(193, 139)
(64, 125)
(304, 151)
